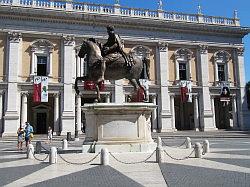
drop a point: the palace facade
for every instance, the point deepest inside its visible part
(42, 38)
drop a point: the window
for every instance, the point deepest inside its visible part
(182, 71)
(41, 65)
(221, 59)
(183, 64)
(221, 72)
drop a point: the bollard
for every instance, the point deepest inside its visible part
(197, 150)
(105, 157)
(206, 147)
(159, 141)
(30, 151)
(188, 143)
(38, 147)
(64, 144)
(53, 155)
(159, 155)
(68, 136)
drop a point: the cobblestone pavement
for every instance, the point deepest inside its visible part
(228, 164)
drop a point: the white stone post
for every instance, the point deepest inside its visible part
(64, 144)
(24, 108)
(206, 147)
(197, 150)
(78, 113)
(56, 114)
(164, 104)
(196, 113)
(243, 112)
(206, 114)
(154, 115)
(105, 157)
(30, 151)
(159, 155)
(107, 98)
(188, 143)
(53, 155)
(213, 109)
(68, 94)
(14, 59)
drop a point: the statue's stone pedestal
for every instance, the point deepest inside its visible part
(118, 127)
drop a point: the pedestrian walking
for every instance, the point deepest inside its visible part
(28, 133)
(20, 133)
(50, 134)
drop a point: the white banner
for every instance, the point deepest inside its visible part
(44, 89)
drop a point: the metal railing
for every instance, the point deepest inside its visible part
(122, 11)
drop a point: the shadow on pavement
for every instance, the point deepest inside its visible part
(181, 175)
(237, 162)
(11, 174)
(101, 176)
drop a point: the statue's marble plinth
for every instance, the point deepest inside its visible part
(118, 127)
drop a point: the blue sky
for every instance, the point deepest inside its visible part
(224, 8)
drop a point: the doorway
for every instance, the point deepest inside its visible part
(41, 123)
(222, 113)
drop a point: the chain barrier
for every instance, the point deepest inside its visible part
(38, 159)
(74, 163)
(174, 146)
(138, 162)
(185, 158)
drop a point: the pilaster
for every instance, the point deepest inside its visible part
(206, 114)
(14, 56)
(68, 94)
(164, 104)
(243, 112)
(56, 113)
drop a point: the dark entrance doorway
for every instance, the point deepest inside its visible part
(41, 123)
(184, 115)
(222, 113)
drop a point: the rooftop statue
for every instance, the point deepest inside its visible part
(110, 62)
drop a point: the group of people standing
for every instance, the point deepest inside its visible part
(27, 133)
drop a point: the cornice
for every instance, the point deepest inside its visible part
(53, 16)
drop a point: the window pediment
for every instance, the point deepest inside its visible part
(183, 53)
(222, 56)
(42, 45)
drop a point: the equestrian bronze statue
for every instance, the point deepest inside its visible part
(109, 64)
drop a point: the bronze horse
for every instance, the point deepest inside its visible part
(114, 70)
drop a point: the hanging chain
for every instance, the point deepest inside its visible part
(138, 162)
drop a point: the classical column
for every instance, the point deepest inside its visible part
(56, 114)
(234, 112)
(164, 104)
(243, 112)
(24, 107)
(78, 64)
(78, 113)
(172, 111)
(154, 114)
(50, 63)
(196, 113)
(1, 112)
(206, 114)
(68, 94)
(12, 99)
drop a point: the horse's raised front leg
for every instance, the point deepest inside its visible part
(134, 84)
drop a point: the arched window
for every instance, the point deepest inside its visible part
(41, 63)
(221, 67)
(141, 51)
(182, 64)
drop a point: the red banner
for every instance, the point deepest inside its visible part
(37, 90)
(184, 97)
